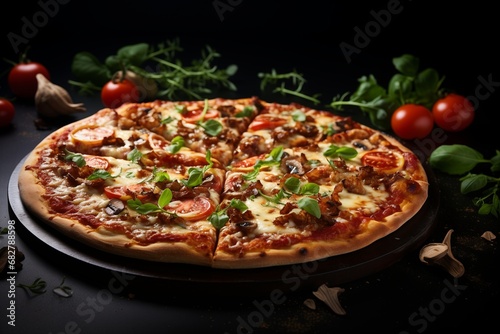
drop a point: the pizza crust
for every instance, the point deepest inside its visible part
(371, 231)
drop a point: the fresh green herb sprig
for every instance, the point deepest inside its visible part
(293, 185)
(459, 159)
(175, 145)
(309, 205)
(147, 208)
(195, 178)
(219, 217)
(334, 151)
(134, 155)
(192, 80)
(63, 290)
(408, 85)
(38, 286)
(282, 81)
(101, 174)
(211, 126)
(273, 158)
(159, 175)
(195, 174)
(162, 64)
(77, 158)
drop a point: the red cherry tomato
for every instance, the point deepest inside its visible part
(453, 112)
(411, 121)
(116, 93)
(7, 112)
(22, 78)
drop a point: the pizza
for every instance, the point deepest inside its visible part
(222, 183)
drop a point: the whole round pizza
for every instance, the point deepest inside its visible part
(223, 183)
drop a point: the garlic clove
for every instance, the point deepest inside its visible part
(488, 235)
(52, 100)
(310, 303)
(330, 296)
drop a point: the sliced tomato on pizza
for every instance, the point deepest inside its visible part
(192, 209)
(267, 121)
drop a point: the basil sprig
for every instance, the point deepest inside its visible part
(273, 158)
(309, 205)
(101, 174)
(195, 174)
(77, 158)
(344, 152)
(459, 159)
(293, 185)
(219, 217)
(147, 208)
(211, 126)
(176, 144)
(135, 155)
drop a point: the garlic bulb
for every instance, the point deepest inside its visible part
(52, 100)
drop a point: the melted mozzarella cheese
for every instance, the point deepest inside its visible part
(368, 201)
(265, 213)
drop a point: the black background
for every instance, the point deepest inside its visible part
(460, 41)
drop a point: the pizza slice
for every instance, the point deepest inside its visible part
(125, 191)
(306, 203)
